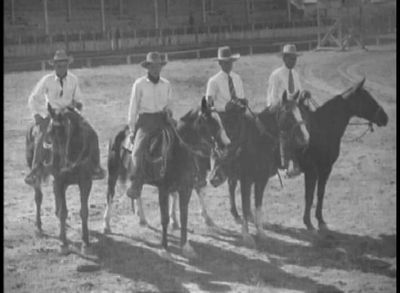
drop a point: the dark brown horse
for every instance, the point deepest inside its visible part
(70, 162)
(198, 133)
(326, 126)
(258, 158)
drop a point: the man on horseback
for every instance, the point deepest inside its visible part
(60, 89)
(281, 79)
(149, 111)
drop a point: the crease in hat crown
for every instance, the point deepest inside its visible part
(59, 56)
(225, 53)
(290, 49)
(154, 57)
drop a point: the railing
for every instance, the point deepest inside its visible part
(120, 32)
(205, 52)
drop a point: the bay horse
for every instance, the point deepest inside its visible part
(258, 159)
(326, 126)
(71, 162)
(197, 133)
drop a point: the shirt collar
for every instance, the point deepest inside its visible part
(56, 78)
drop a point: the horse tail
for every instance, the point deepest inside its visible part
(115, 157)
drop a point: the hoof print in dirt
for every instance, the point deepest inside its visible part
(64, 250)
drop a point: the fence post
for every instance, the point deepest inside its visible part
(88, 62)
(43, 65)
(377, 41)
(128, 59)
(250, 50)
(198, 54)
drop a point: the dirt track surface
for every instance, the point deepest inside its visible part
(358, 255)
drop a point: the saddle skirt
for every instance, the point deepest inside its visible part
(153, 163)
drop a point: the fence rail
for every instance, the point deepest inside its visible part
(205, 52)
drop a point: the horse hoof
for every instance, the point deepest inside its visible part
(39, 233)
(143, 223)
(209, 222)
(175, 226)
(238, 220)
(323, 227)
(64, 250)
(166, 255)
(262, 235)
(249, 242)
(188, 251)
(107, 230)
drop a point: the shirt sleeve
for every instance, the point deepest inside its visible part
(273, 91)
(133, 106)
(169, 98)
(211, 91)
(77, 94)
(37, 100)
(298, 82)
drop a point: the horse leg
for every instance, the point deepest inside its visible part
(245, 187)
(62, 213)
(38, 201)
(84, 187)
(207, 219)
(174, 220)
(163, 199)
(232, 183)
(112, 181)
(184, 198)
(310, 178)
(322, 179)
(258, 194)
(142, 218)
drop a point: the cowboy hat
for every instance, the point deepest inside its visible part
(289, 49)
(154, 58)
(61, 56)
(225, 54)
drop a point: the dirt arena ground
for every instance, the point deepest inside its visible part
(360, 204)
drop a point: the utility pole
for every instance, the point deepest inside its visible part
(289, 11)
(203, 10)
(155, 14)
(46, 18)
(103, 17)
(68, 10)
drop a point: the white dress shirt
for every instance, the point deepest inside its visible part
(49, 90)
(147, 97)
(218, 89)
(278, 83)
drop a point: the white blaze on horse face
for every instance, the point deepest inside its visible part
(224, 137)
(299, 119)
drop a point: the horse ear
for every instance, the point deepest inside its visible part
(296, 95)
(284, 97)
(360, 84)
(204, 105)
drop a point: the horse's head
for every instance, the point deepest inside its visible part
(209, 129)
(290, 121)
(363, 105)
(57, 136)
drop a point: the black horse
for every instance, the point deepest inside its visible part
(326, 126)
(198, 133)
(258, 157)
(69, 142)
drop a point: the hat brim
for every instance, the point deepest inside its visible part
(69, 60)
(146, 64)
(296, 54)
(233, 57)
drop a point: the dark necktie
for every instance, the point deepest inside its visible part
(62, 85)
(291, 82)
(231, 88)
